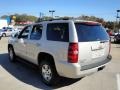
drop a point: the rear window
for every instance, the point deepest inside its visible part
(58, 32)
(93, 32)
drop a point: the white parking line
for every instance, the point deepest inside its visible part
(118, 81)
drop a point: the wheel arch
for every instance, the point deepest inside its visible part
(43, 56)
(4, 34)
(10, 45)
(51, 60)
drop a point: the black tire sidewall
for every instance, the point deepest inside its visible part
(11, 60)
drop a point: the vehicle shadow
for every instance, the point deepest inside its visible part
(22, 72)
(28, 74)
(65, 82)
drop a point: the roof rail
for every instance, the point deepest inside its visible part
(56, 19)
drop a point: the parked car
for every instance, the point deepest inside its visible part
(110, 33)
(117, 38)
(7, 32)
(67, 48)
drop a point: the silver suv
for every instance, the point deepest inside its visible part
(67, 48)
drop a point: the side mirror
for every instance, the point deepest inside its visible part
(12, 35)
(16, 35)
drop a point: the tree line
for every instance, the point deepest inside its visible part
(21, 17)
(24, 17)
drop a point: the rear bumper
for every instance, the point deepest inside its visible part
(74, 70)
(96, 64)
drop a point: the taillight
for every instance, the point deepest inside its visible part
(73, 53)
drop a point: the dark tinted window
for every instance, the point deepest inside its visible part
(9, 29)
(58, 32)
(36, 32)
(91, 32)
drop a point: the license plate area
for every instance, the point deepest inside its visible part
(97, 53)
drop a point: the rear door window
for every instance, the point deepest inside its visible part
(58, 32)
(93, 32)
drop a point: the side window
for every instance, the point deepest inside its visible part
(36, 32)
(25, 32)
(58, 32)
(10, 30)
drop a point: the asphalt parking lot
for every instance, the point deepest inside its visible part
(19, 76)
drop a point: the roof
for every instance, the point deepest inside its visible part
(68, 20)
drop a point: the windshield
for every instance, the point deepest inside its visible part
(93, 32)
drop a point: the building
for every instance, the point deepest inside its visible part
(3, 23)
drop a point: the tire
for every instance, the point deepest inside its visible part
(48, 73)
(115, 41)
(12, 55)
(4, 35)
